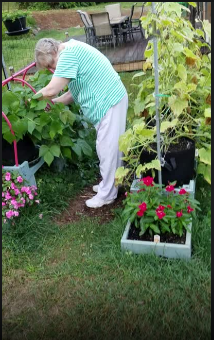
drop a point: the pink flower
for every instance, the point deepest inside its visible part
(40, 216)
(31, 197)
(126, 194)
(15, 204)
(148, 181)
(3, 204)
(37, 201)
(140, 213)
(182, 192)
(8, 196)
(160, 214)
(3, 194)
(161, 208)
(169, 188)
(7, 176)
(9, 214)
(189, 209)
(17, 192)
(13, 186)
(16, 213)
(19, 179)
(169, 206)
(179, 214)
(143, 206)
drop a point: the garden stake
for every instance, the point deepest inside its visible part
(156, 92)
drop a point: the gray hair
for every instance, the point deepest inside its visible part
(44, 51)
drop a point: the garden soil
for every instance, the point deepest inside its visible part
(66, 18)
(77, 208)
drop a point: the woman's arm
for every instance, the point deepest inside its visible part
(54, 87)
(65, 98)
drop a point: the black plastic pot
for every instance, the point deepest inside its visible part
(180, 163)
(18, 24)
(26, 149)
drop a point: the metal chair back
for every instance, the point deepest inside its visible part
(101, 23)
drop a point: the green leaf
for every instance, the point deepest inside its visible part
(177, 105)
(120, 174)
(5, 127)
(77, 149)
(87, 150)
(205, 155)
(66, 141)
(139, 74)
(155, 228)
(41, 105)
(189, 53)
(31, 126)
(182, 73)
(37, 96)
(9, 137)
(192, 4)
(71, 117)
(48, 158)
(43, 150)
(166, 125)
(66, 152)
(205, 170)
(44, 119)
(55, 150)
(207, 112)
(139, 106)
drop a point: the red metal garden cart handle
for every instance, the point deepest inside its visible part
(14, 142)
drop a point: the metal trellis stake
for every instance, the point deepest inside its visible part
(157, 93)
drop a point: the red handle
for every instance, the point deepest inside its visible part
(14, 142)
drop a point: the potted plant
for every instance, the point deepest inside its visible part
(58, 132)
(158, 220)
(184, 103)
(15, 21)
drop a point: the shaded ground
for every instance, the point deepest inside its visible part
(78, 209)
(66, 18)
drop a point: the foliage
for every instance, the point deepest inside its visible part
(151, 209)
(14, 15)
(184, 86)
(53, 5)
(16, 194)
(60, 132)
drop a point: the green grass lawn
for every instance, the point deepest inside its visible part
(73, 281)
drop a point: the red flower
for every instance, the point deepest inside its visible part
(169, 206)
(161, 208)
(182, 192)
(189, 209)
(160, 214)
(143, 206)
(148, 181)
(179, 213)
(140, 213)
(169, 188)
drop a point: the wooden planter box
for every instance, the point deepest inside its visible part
(169, 250)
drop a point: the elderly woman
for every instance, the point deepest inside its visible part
(98, 89)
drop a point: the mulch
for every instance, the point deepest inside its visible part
(77, 208)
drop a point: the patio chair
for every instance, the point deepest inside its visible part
(114, 11)
(102, 28)
(134, 25)
(88, 27)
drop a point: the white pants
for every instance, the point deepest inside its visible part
(112, 125)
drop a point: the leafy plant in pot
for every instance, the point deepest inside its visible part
(151, 212)
(15, 21)
(184, 106)
(52, 131)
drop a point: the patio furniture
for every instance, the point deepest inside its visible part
(104, 32)
(114, 12)
(88, 27)
(134, 25)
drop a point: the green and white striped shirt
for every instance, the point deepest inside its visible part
(94, 84)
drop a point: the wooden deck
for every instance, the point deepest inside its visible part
(128, 56)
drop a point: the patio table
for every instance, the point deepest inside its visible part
(118, 22)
